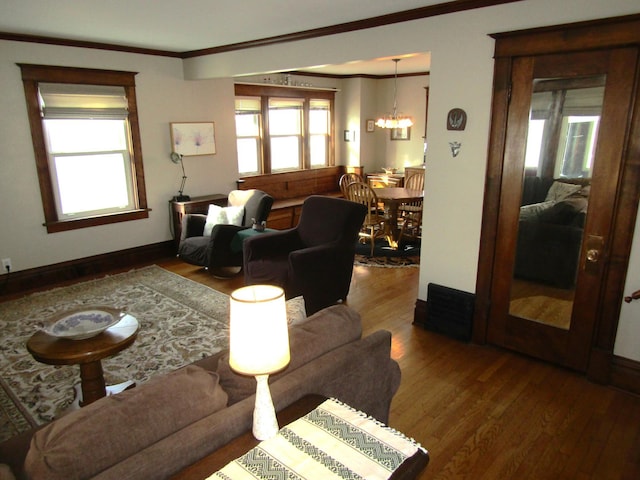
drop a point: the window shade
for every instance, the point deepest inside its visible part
(285, 103)
(247, 105)
(317, 104)
(60, 100)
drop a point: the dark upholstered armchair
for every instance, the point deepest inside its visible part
(313, 259)
(215, 251)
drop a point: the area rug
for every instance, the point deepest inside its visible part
(180, 321)
(408, 255)
(386, 262)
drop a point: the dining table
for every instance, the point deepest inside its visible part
(392, 198)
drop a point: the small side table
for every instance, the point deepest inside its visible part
(239, 238)
(409, 470)
(87, 353)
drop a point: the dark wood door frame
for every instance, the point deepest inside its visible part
(584, 36)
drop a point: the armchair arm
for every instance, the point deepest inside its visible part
(313, 257)
(271, 244)
(193, 225)
(322, 274)
(220, 253)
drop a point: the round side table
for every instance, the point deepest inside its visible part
(87, 353)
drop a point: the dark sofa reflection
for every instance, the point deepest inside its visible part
(552, 218)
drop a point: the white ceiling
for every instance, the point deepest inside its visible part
(186, 25)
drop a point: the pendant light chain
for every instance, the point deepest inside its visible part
(393, 121)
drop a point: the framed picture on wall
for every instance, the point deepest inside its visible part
(400, 133)
(371, 124)
(196, 138)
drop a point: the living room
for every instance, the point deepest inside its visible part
(201, 89)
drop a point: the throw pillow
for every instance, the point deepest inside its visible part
(215, 216)
(561, 190)
(296, 312)
(222, 216)
(533, 211)
(234, 215)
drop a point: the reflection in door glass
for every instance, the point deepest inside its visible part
(560, 150)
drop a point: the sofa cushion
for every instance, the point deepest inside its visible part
(532, 212)
(194, 250)
(564, 212)
(316, 335)
(87, 441)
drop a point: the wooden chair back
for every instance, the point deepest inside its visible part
(415, 182)
(346, 180)
(363, 194)
(373, 225)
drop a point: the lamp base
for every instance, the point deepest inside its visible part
(181, 198)
(265, 423)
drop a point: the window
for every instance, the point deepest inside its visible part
(280, 129)
(249, 141)
(85, 134)
(285, 133)
(319, 132)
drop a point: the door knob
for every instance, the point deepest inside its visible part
(594, 245)
(593, 255)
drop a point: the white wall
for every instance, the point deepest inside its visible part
(461, 76)
(411, 102)
(163, 97)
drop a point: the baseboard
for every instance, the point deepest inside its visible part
(24, 281)
(625, 374)
(420, 313)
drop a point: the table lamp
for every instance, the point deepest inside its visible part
(259, 346)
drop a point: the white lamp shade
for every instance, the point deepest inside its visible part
(259, 337)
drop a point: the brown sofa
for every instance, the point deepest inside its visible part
(158, 428)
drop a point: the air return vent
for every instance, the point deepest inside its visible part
(449, 311)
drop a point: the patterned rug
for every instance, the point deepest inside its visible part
(386, 262)
(180, 321)
(407, 255)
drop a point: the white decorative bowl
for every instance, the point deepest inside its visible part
(81, 324)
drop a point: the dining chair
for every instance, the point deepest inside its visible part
(410, 217)
(346, 180)
(414, 182)
(373, 225)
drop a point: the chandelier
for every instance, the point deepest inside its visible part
(394, 120)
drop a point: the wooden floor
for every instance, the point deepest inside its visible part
(483, 412)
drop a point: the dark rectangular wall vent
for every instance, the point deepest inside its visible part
(449, 311)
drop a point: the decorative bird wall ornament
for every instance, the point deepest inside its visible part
(455, 148)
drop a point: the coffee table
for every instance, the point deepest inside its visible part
(87, 353)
